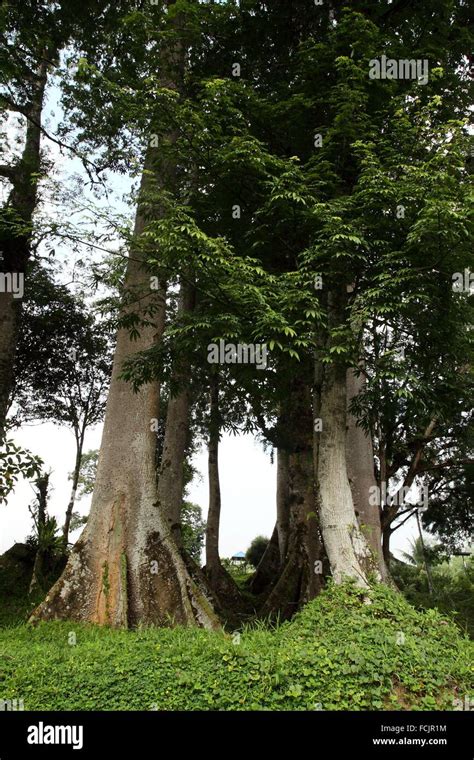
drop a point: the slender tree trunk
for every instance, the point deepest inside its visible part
(213, 562)
(393, 506)
(386, 536)
(268, 568)
(17, 214)
(425, 557)
(170, 486)
(42, 485)
(361, 472)
(9, 318)
(219, 579)
(75, 481)
(270, 565)
(171, 471)
(283, 502)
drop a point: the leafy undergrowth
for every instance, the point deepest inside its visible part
(339, 653)
(16, 567)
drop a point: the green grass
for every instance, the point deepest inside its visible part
(338, 653)
(453, 584)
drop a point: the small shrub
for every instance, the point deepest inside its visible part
(256, 550)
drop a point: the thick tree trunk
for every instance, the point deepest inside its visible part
(346, 547)
(360, 469)
(300, 576)
(126, 569)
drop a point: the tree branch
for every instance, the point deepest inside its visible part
(391, 512)
(448, 463)
(8, 171)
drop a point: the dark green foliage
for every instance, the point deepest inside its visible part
(16, 462)
(63, 360)
(453, 588)
(338, 653)
(16, 567)
(256, 550)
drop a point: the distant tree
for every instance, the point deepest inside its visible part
(417, 554)
(193, 529)
(256, 550)
(32, 37)
(45, 539)
(87, 473)
(450, 513)
(63, 367)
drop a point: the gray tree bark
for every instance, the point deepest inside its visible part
(346, 547)
(362, 480)
(126, 569)
(171, 471)
(220, 581)
(213, 516)
(300, 578)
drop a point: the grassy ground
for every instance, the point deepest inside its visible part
(338, 653)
